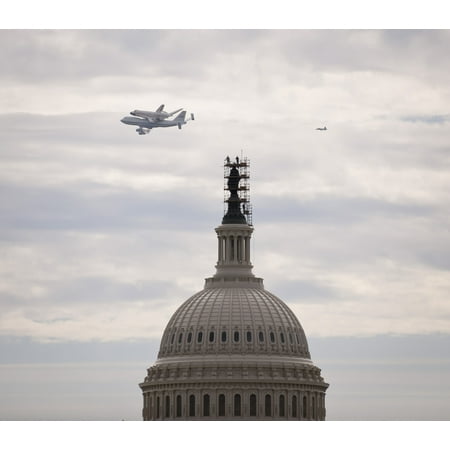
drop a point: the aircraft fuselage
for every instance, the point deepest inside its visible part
(145, 123)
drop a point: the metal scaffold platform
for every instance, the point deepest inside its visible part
(243, 166)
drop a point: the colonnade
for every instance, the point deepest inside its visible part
(234, 249)
(234, 405)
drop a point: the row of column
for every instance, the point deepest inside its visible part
(234, 249)
(264, 405)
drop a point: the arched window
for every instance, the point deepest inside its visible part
(221, 405)
(253, 405)
(192, 405)
(200, 337)
(261, 336)
(237, 405)
(189, 338)
(282, 406)
(249, 336)
(223, 337)
(282, 338)
(236, 336)
(206, 405)
(211, 336)
(178, 405)
(304, 407)
(272, 337)
(167, 406)
(268, 405)
(158, 407)
(294, 406)
(180, 338)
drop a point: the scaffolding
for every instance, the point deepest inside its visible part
(243, 165)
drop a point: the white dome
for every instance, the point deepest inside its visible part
(234, 320)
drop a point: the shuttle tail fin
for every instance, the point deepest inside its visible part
(174, 112)
(181, 117)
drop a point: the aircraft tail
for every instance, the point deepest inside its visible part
(181, 117)
(174, 112)
(161, 108)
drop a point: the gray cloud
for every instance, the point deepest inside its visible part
(428, 119)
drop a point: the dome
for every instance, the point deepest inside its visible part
(234, 351)
(242, 320)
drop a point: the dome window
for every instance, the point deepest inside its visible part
(223, 337)
(282, 338)
(272, 337)
(167, 406)
(206, 405)
(261, 336)
(236, 336)
(221, 405)
(173, 338)
(189, 338)
(281, 406)
(268, 405)
(192, 405)
(290, 338)
(237, 405)
(294, 406)
(178, 405)
(211, 336)
(180, 338)
(253, 405)
(304, 407)
(249, 336)
(200, 337)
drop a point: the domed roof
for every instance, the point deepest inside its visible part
(234, 320)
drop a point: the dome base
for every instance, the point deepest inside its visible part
(239, 390)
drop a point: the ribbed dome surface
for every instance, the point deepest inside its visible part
(234, 320)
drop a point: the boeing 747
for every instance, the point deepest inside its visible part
(145, 125)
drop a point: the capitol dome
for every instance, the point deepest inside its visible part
(234, 351)
(234, 320)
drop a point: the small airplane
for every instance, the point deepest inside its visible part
(322, 129)
(159, 114)
(145, 125)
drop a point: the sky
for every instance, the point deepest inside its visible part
(104, 233)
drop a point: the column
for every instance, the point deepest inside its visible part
(219, 241)
(228, 249)
(247, 249)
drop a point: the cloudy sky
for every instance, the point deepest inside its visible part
(104, 233)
